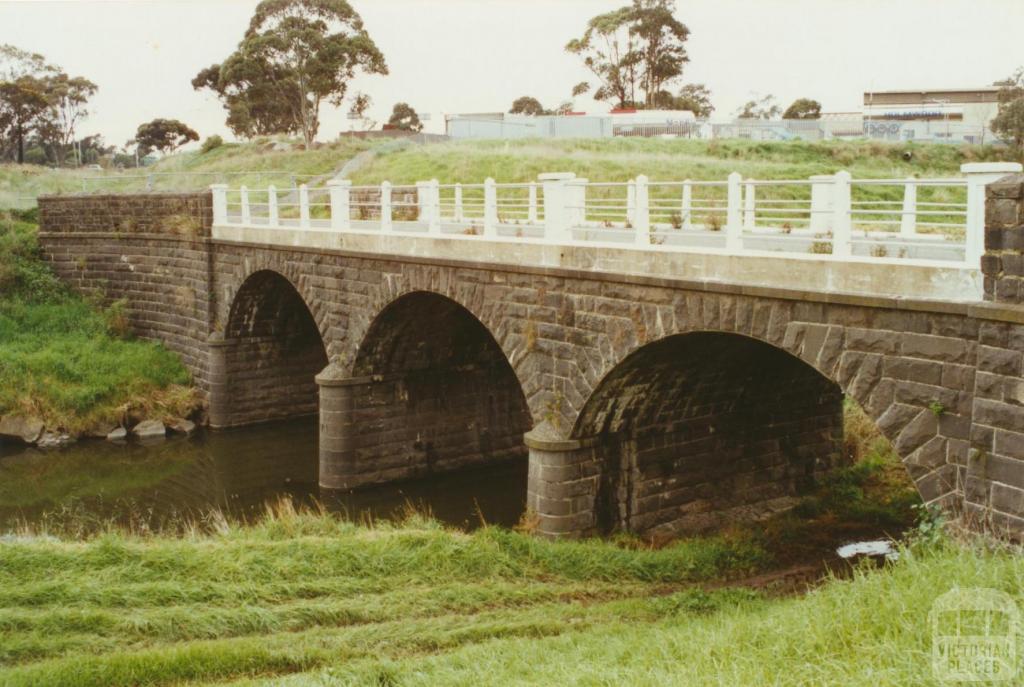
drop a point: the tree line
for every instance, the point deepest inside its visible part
(297, 55)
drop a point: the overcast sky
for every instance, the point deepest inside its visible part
(450, 56)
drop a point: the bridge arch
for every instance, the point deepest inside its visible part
(692, 430)
(270, 354)
(430, 391)
(595, 468)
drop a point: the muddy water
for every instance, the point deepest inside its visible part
(233, 471)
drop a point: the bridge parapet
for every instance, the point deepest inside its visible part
(909, 238)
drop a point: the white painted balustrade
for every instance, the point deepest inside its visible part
(833, 215)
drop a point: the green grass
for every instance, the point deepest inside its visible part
(507, 161)
(66, 360)
(307, 599)
(670, 160)
(184, 171)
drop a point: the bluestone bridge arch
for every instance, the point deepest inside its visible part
(942, 379)
(268, 353)
(430, 390)
(692, 430)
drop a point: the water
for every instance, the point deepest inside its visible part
(233, 471)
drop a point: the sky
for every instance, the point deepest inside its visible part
(451, 56)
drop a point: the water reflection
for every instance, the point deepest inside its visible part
(235, 471)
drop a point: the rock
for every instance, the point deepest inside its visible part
(100, 430)
(149, 429)
(182, 426)
(27, 429)
(54, 440)
(117, 434)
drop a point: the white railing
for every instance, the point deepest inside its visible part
(832, 215)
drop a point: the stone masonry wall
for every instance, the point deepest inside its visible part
(151, 250)
(1003, 262)
(435, 421)
(699, 429)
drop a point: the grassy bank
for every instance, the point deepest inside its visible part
(306, 599)
(235, 163)
(623, 158)
(507, 161)
(66, 360)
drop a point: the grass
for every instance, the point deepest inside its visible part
(308, 599)
(66, 360)
(184, 171)
(623, 158)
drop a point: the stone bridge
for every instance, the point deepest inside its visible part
(651, 391)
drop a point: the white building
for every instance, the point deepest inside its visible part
(960, 115)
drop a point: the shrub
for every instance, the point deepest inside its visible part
(211, 143)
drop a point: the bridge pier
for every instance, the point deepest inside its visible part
(218, 384)
(563, 481)
(337, 427)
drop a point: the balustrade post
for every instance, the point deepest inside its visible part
(531, 215)
(490, 207)
(821, 202)
(842, 219)
(304, 206)
(243, 199)
(273, 216)
(556, 202)
(687, 207)
(435, 207)
(220, 203)
(979, 175)
(908, 219)
(457, 212)
(340, 191)
(749, 205)
(733, 221)
(385, 206)
(577, 191)
(631, 202)
(642, 212)
(423, 202)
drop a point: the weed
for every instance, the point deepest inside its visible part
(715, 222)
(937, 408)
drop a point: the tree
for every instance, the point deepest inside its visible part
(23, 95)
(527, 105)
(68, 97)
(295, 55)
(405, 118)
(358, 110)
(803, 108)
(1008, 125)
(694, 97)
(765, 108)
(1012, 87)
(636, 48)
(165, 135)
(661, 37)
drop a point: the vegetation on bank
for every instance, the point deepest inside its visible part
(506, 161)
(619, 159)
(309, 599)
(67, 360)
